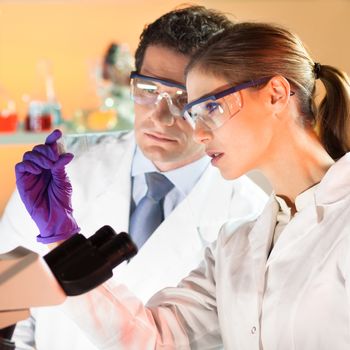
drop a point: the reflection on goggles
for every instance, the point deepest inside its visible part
(214, 113)
(150, 91)
(215, 110)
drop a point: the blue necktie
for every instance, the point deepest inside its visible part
(148, 214)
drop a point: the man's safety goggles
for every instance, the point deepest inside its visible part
(150, 91)
(215, 110)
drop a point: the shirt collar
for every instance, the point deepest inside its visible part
(301, 201)
(183, 178)
(306, 198)
(335, 185)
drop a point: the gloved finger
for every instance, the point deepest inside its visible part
(38, 159)
(53, 137)
(63, 160)
(46, 151)
(51, 141)
(27, 167)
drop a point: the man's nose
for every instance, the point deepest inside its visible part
(162, 112)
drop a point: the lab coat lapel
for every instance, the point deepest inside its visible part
(295, 231)
(260, 239)
(117, 194)
(195, 212)
(159, 262)
(203, 206)
(170, 252)
(242, 265)
(109, 203)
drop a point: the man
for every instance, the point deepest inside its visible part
(109, 180)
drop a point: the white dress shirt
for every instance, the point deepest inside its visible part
(183, 178)
(284, 214)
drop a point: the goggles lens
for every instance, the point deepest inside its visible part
(215, 110)
(150, 91)
(214, 113)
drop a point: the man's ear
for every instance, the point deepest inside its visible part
(279, 92)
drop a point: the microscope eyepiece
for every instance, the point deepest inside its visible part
(81, 264)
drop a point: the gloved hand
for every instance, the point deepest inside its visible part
(45, 190)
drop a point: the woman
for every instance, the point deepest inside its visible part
(282, 281)
(289, 271)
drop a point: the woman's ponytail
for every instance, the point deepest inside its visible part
(333, 116)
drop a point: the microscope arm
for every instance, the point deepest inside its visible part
(25, 281)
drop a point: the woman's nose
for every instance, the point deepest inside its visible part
(202, 134)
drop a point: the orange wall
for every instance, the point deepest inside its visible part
(9, 156)
(73, 34)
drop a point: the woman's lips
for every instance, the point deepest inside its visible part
(215, 156)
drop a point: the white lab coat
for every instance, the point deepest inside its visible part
(296, 299)
(101, 196)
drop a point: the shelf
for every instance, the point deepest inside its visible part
(22, 138)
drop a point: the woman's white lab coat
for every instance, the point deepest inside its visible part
(297, 298)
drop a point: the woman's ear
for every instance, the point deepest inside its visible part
(279, 92)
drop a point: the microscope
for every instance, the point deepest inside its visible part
(75, 267)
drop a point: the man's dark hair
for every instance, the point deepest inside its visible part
(183, 30)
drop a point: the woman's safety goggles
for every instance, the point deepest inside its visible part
(215, 110)
(150, 91)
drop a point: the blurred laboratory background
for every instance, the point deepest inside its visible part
(66, 63)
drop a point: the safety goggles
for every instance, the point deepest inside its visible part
(215, 110)
(150, 91)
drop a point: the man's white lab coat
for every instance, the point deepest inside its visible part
(101, 196)
(296, 298)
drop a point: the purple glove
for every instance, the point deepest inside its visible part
(46, 191)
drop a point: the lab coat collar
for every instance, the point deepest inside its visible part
(335, 185)
(305, 198)
(327, 196)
